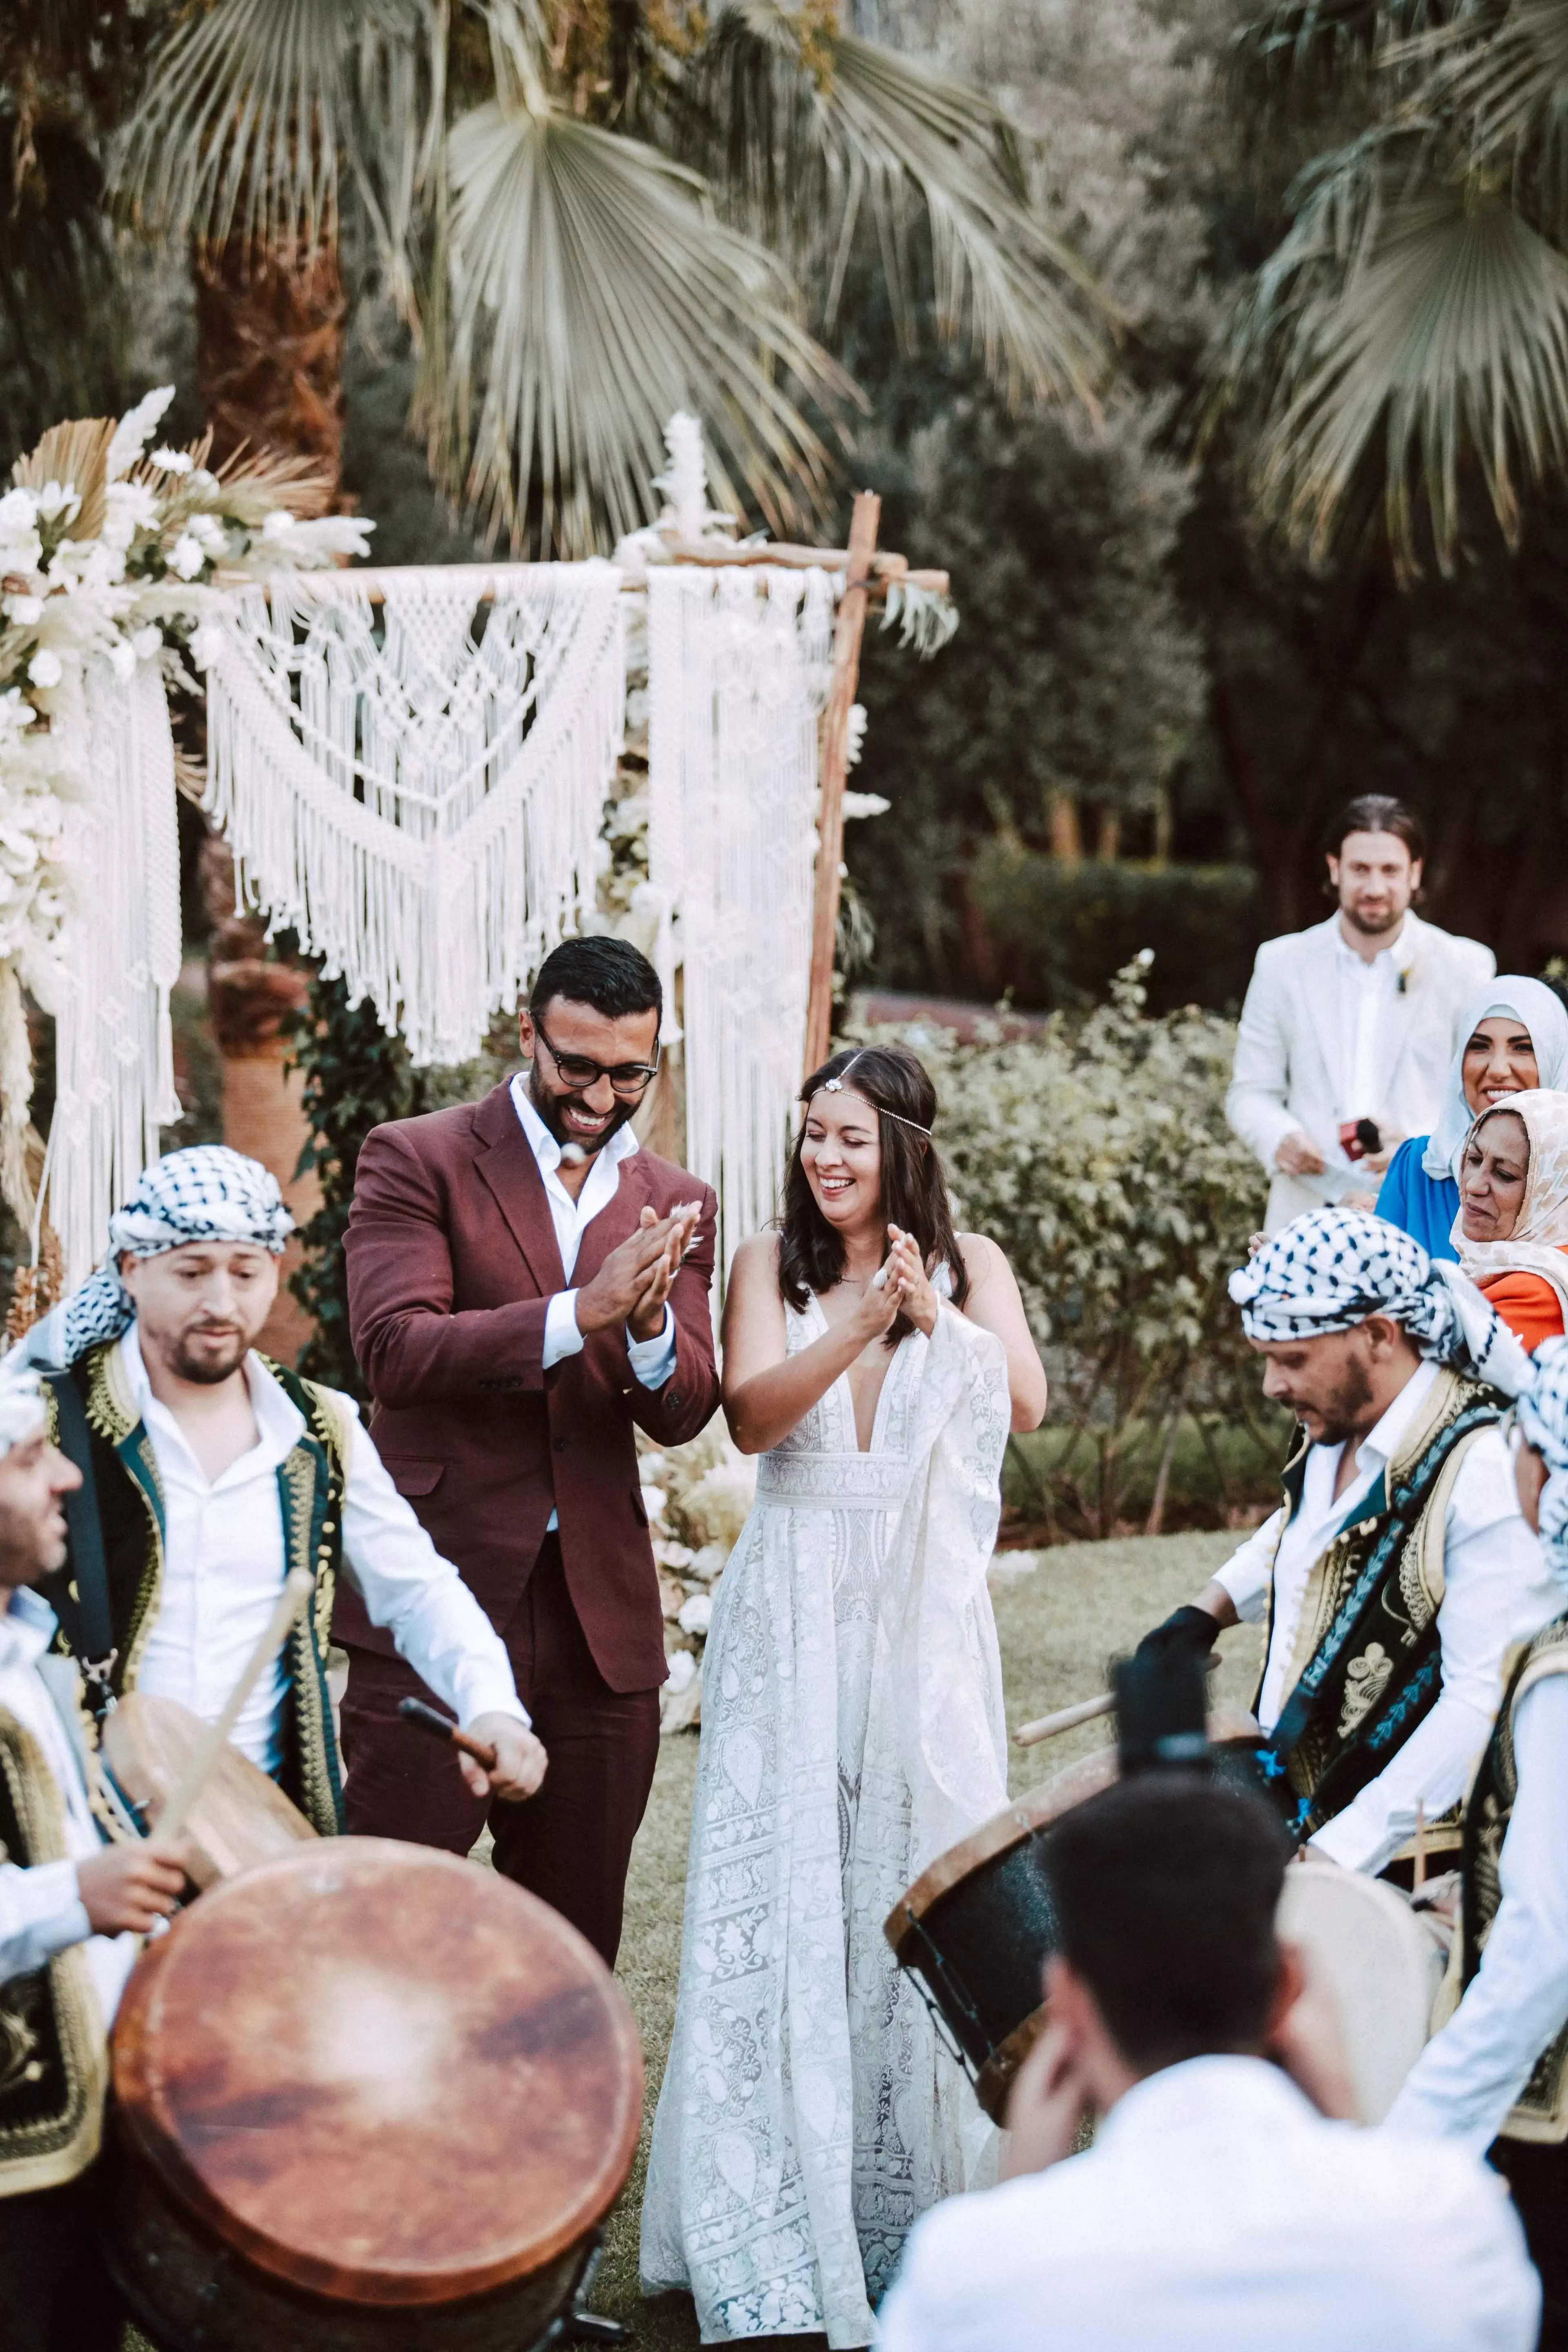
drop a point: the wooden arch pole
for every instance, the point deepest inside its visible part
(834, 769)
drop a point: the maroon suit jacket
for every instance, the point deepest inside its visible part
(452, 1261)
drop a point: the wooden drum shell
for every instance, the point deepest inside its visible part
(188, 2291)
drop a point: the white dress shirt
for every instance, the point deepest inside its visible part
(41, 1911)
(1470, 2074)
(652, 1360)
(224, 1565)
(1495, 1582)
(1366, 989)
(1217, 2212)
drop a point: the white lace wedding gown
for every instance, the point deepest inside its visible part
(851, 1730)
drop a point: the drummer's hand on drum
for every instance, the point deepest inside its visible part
(130, 1887)
(520, 1759)
(1047, 2104)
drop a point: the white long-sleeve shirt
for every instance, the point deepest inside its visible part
(1469, 2074)
(1217, 2212)
(1495, 1583)
(41, 1911)
(224, 1561)
(652, 1360)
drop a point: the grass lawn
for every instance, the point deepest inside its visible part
(1059, 1625)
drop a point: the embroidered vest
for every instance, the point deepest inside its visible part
(54, 2062)
(1541, 2110)
(1365, 1668)
(131, 1511)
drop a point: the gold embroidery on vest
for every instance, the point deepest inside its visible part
(113, 1413)
(52, 2149)
(1366, 1679)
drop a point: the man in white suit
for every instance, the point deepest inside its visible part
(1352, 1023)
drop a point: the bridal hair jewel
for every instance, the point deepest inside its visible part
(836, 1087)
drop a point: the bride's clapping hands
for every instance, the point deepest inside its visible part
(905, 1270)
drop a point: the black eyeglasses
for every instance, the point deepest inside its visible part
(628, 1078)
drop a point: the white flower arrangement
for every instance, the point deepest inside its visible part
(109, 553)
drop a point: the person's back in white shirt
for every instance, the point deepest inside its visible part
(1217, 2212)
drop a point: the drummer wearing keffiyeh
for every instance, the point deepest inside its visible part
(1398, 1564)
(213, 1472)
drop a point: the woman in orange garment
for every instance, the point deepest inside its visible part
(1512, 1231)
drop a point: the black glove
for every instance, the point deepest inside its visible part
(1191, 1632)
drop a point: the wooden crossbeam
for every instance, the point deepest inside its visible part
(888, 571)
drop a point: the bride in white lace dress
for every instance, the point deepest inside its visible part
(851, 1726)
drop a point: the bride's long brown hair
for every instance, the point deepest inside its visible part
(914, 1186)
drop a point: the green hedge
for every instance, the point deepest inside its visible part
(1058, 932)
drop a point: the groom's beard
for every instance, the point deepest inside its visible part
(551, 1108)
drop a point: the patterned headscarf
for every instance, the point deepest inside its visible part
(1540, 1236)
(207, 1193)
(1535, 1007)
(21, 1409)
(1543, 1420)
(1331, 1269)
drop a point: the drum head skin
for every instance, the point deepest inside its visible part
(381, 2074)
(1384, 1970)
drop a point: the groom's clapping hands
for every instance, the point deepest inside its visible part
(633, 1283)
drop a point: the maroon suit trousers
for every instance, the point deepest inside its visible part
(572, 1843)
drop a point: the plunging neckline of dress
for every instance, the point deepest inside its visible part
(843, 1382)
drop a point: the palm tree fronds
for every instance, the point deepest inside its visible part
(1448, 342)
(799, 126)
(249, 113)
(1509, 91)
(591, 294)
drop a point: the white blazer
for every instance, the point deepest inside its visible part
(1288, 1071)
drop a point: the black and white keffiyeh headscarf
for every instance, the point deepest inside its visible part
(1330, 1270)
(1543, 1414)
(207, 1193)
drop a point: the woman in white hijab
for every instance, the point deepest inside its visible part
(1512, 1226)
(1515, 1035)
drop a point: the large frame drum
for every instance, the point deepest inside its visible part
(370, 2099)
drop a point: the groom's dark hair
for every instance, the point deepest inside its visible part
(610, 974)
(1165, 1889)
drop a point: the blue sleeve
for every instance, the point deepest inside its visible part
(1421, 1205)
(1393, 1194)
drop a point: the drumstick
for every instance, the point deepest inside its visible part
(1068, 1718)
(172, 1818)
(426, 1718)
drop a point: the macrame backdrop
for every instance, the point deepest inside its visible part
(740, 660)
(416, 795)
(114, 1076)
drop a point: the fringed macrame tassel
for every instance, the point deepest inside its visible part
(739, 662)
(420, 807)
(113, 1045)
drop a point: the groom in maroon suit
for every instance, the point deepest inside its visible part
(525, 1283)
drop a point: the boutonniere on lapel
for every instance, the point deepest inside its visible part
(1407, 975)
